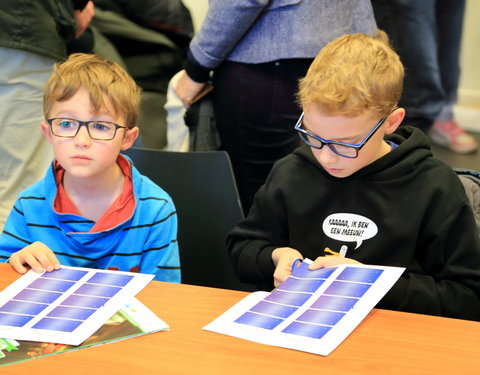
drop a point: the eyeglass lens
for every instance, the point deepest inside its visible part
(342, 150)
(96, 129)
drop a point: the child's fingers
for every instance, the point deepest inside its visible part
(320, 262)
(37, 255)
(280, 275)
(16, 263)
(48, 261)
(330, 261)
(44, 256)
(54, 261)
(18, 259)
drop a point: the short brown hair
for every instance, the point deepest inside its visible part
(353, 74)
(101, 78)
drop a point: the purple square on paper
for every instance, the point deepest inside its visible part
(303, 272)
(37, 296)
(98, 290)
(300, 285)
(62, 325)
(307, 330)
(361, 275)
(328, 318)
(257, 320)
(288, 298)
(85, 301)
(65, 274)
(13, 320)
(334, 303)
(345, 289)
(110, 279)
(273, 309)
(19, 307)
(51, 285)
(71, 313)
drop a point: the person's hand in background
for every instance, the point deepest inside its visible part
(83, 18)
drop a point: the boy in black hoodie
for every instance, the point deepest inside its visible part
(357, 192)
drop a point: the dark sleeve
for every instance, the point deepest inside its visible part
(80, 4)
(194, 70)
(445, 280)
(251, 243)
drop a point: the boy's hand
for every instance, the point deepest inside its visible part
(283, 258)
(330, 261)
(37, 255)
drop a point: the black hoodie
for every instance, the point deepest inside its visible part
(405, 209)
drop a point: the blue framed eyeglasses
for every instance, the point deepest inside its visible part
(346, 150)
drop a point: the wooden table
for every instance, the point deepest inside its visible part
(386, 342)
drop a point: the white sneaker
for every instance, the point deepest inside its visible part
(449, 134)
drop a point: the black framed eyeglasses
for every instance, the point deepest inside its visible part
(346, 150)
(69, 128)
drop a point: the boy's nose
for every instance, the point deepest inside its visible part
(82, 137)
(326, 156)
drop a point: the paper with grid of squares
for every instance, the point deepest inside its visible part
(312, 311)
(65, 306)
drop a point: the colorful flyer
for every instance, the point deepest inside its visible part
(133, 319)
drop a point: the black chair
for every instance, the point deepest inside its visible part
(205, 195)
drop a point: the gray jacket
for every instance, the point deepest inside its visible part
(39, 26)
(258, 31)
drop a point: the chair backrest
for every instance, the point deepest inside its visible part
(205, 195)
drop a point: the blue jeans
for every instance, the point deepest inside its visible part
(426, 34)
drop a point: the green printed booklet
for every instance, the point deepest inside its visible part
(133, 319)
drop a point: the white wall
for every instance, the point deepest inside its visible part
(198, 9)
(469, 90)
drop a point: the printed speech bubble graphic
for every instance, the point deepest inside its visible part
(349, 228)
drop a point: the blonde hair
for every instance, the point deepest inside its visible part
(101, 78)
(354, 74)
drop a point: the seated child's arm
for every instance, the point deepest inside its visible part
(37, 255)
(15, 235)
(283, 258)
(160, 254)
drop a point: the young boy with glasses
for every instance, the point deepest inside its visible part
(363, 190)
(93, 208)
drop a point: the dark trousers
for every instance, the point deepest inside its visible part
(256, 110)
(426, 34)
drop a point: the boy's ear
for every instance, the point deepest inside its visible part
(394, 120)
(130, 137)
(45, 127)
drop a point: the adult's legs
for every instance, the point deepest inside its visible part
(427, 35)
(255, 111)
(449, 16)
(24, 153)
(411, 26)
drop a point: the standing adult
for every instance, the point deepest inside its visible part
(427, 35)
(258, 49)
(33, 36)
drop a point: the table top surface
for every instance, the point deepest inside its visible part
(386, 342)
